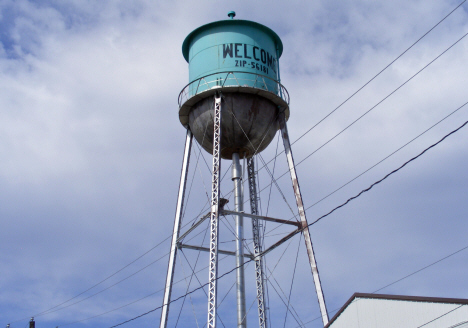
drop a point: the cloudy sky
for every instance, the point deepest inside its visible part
(91, 150)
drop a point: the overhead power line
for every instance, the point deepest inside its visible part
(377, 182)
(422, 269)
(394, 171)
(362, 87)
(182, 296)
(443, 315)
(405, 277)
(54, 308)
(388, 156)
(314, 222)
(62, 305)
(372, 79)
(382, 160)
(389, 174)
(372, 108)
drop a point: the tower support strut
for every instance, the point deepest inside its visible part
(176, 230)
(214, 218)
(302, 216)
(257, 241)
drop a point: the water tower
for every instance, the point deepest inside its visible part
(233, 105)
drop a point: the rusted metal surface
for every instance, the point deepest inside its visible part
(176, 230)
(193, 227)
(264, 218)
(248, 126)
(279, 242)
(231, 82)
(220, 251)
(302, 215)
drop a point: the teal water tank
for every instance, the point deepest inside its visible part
(239, 59)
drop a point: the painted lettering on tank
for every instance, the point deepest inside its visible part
(264, 61)
(245, 52)
(227, 50)
(255, 53)
(263, 56)
(237, 45)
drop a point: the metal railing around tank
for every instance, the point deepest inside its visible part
(233, 79)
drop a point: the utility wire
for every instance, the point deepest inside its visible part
(371, 186)
(273, 173)
(424, 268)
(190, 281)
(373, 78)
(441, 316)
(407, 276)
(133, 302)
(386, 157)
(118, 282)
(103, 290)
(268, 279)
(425, 34)
(292, 282)
(317, 220)
(379, 181)
(390, 94)
(190, 296)
(182, 296)
(389, 174)
(372, 108)
(199, 282)
(458, 324)
(52, 309)
(261, 158)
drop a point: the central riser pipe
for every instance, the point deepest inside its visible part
(239, 207)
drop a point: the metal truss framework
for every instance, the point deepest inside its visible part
(175, 233)
(302, 215)
(217, 210)
(214, 228)
(257, 241)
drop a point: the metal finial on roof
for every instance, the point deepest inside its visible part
(232, 14)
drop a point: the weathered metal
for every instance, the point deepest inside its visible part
(214, 228)
(280, 242)
(220, 251)
(302, 215)
(234, 67)
(261, 217)
(176, 230)
(249, 124)
(231, 82)
(257, 241)
(239, 221)
(194, 226)
(214, 52)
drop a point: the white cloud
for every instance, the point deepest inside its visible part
(91, 149)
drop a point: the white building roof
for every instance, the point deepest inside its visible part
(390, 311)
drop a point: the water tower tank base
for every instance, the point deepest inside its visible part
(249, 123)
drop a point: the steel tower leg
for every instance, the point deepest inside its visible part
(300, 206)
(213, 266)
(175, 233)
(239, 207)
(256, 227)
